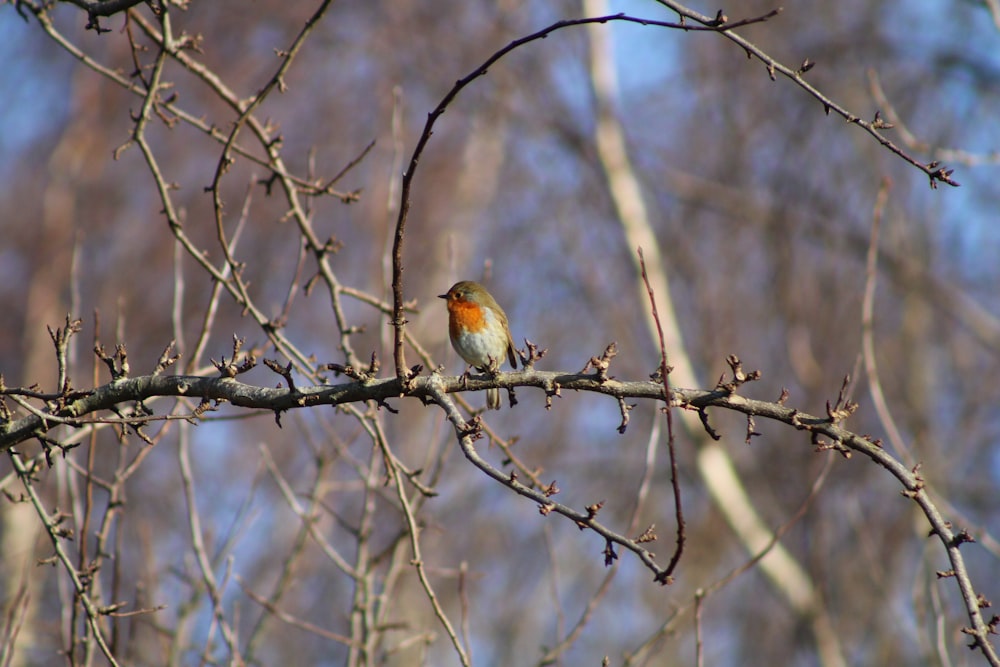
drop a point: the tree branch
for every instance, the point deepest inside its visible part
(434, 388)
(934, 170)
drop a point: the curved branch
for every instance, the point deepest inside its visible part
(719, 24)
(398, 320)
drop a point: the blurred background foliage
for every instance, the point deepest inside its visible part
(763, 208)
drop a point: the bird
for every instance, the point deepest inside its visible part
(479, 331)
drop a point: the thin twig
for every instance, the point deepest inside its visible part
(935, 172)
(665, 376)
(53, 531)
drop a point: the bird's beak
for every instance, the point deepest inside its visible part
(442, 296)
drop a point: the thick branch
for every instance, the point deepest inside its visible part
(74, 408)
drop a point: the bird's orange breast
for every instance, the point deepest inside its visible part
(465, 316)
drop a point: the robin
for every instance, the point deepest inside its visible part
(479, 332)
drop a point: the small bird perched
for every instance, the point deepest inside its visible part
(479, 332)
